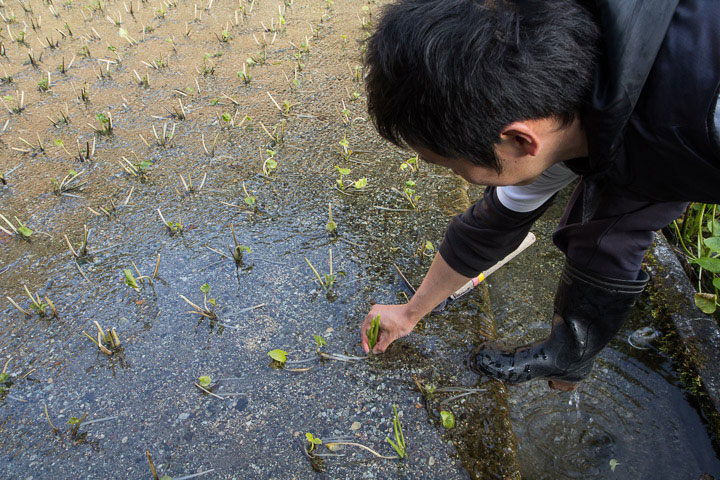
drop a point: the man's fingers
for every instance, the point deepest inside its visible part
(384, 341)
(363, 334)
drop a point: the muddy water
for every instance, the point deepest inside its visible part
(632, 409)
(143, 396)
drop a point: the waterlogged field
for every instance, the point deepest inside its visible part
(189, 186)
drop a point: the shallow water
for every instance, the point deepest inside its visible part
(145, 392)
(632, 409)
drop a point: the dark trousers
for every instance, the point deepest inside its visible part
(613, 242)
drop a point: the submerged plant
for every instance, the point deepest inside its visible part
(43, 309)
(68, 184)
(106, 124)
(399, 444)
(21, 229)
(205, 311)
(108, 343)
(409, 193)
(238, 250)
(278, 355)
(173, 227)
(331, 226)
(327, 280)
(312, 441)
(250, 200)
(139, 169)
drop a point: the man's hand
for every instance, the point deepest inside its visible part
(398, 320)
(395, 321)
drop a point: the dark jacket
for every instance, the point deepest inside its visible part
(650, 136)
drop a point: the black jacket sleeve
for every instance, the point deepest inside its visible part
(485, 234)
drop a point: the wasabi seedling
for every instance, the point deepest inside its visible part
(173, 227)
(246, 77)
(278, 355)
(411, 164)
(21, 230)
(270, 164)
(37, 305)
(239, 249)
(18, 100)
(327, 280)
(448, 419)
(250, 200)
(312, 441)
(343, 172)
(205, 311)
(319, 342)
(67, 184)
(81, 250)
(106, 124)
(373, 331)
(399, 444)
(204, 381)
(188, 186)
(108, 343)
(331, 226)
(345, 152)
(140, 169)
(5, 381)
(409, 193)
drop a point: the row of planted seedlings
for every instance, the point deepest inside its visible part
(109, 342)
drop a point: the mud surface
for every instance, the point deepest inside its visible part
(143, 395)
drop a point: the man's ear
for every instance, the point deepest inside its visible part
(522, 138)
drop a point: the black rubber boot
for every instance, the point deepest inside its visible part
(589, 311)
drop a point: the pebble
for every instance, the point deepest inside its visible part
(183, 416)
(431, 461)
(355, 426)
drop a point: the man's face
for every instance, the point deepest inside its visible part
(516, 170)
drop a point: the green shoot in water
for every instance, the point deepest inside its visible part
(373, 331)
(399, 443)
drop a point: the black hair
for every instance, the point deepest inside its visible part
(449, 75)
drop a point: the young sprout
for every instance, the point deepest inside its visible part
(319, 342)
(312, 441)
(173, 227)
(108, 343)
(45, 83)
(409, 193)
(143, 81)
(411, 163)
(270, 164)
(140, 170)
(278, 355)
(327, 280)
(345, 152)
(188, 186)
(399, 444)
(343, 172)
(250, 200)
(106, 124)
(238, 250)
(36, 305)
(246, 77)
(331, 226)
(373, 331)
(21, 230)
(211, 151)
(67, 184)
(81, 247)
(18, 100)
(207, 312)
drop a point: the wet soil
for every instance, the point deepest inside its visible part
(144, 393)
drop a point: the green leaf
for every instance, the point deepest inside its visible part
(250, 200)
(331, 226)
(204, 381)
(226, 117)
(708, 263)
(362, 183)
(166, 477)
(73, 421)
(706, 302)
(448, 419)
(613, 463)
(716, 283)
(429, 246)
(320, 341)
(130, 279)
(278, 355)
(205, 288)
(713, 243)
(24, 231)
(59, 142)
(343, 171)
(4, 377)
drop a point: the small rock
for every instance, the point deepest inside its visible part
(124, 440)
(183, 416)
(355, 426)
(431, 461)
